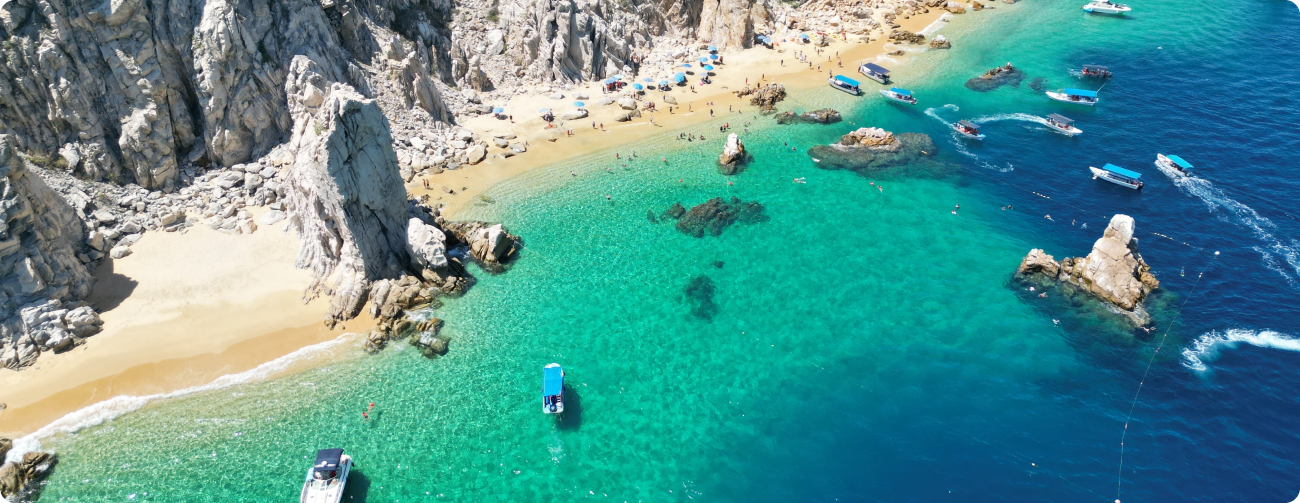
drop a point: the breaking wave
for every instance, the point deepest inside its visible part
(118, 406)
(1206, 347)
(1282, 255)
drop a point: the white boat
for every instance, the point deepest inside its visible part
(1062, 124)
(1076, 96)
(1118, 176)
(899, 95)
(552, 389)
(1092, 71)
(1105, 7)
(327, 477)
(845, 84)
(1174, 163)
(968, 129)
(874, 72)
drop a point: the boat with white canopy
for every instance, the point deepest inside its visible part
(874, 72)
(968, 129)
(1062, 124)
(1076, 96)
(1118, 176)
(327, 477)
(898, 94)
(1105, 7)
(845, 84)
(1174, 163)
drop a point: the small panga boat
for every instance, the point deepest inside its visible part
(874, 72)
(553, 389)
(1118, 176)
(1174, 163)
(1105, 7)
(899, 95)
(1062, 124)
(1076, 96)
(845, 84)
(968, 129)
(327, 477)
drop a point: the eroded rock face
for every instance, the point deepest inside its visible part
(20, 480)
(343, 193)
(1113, 271)
(40, 236)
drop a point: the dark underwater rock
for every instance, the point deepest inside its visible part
(1001, 76)
(699, 292)
(822, 116)
(1038, 83)
(715, 215)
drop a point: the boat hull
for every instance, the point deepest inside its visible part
(1070, 131)
(1165, 164)
(1101, 174)
(331, 492)
(1112, 9)
(1064, 98)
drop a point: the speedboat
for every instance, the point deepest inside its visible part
(326, 478)
(874, 72)
(1062, 124)
(1105, 7)
(845, 84)
(899, 95)
(1174, 163)
(1118, 176)
(968, 129)
(1076, 96)
(552, 389)
(1092, 71)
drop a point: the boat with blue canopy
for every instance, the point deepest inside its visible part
(1076, 96)
(1118, 176)
(968, 129)
(874, 72)
(327, 477)
(1173, 163)
(845, 84)
(552, 389)
(899, 95)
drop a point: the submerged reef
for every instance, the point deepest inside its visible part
(699, 293)
(715, 215)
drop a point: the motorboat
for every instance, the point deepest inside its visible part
(874, 72)
(327, 477)
(1118, 176)
(1092, 71)
(1062, 124)
(1105, 7)
(1174, 163)
(845, 84)
(968, 129)
(899, 95)
(553, 389)
(1076, 96)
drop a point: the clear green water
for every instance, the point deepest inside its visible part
(867, 346)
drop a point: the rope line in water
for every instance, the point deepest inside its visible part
(1119, 484)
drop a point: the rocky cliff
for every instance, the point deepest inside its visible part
(1113, 271)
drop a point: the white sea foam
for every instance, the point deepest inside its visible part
(1206, 347)
(1010, 117)
(1275, 251)
(934, 27)
(117, 406)
(958, 144)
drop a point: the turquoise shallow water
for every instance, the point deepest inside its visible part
(868, 345)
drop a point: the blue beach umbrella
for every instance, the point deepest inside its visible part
(713, 49)
(579, 104)
(686, 65)
(679, 77)
(708, 68)
(498, 110)
(647, 79)
(713, 56)
(804, 36)
(704, 60)
(638, 87)
(544, 110)
(663, 82)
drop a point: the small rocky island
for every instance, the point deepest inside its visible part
(1113, 272)
(1005, 75)
(733, 156)
(821, 116)
(870, 149)
(765, 96)
(715, 215)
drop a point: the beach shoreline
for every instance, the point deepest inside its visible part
(247, 311)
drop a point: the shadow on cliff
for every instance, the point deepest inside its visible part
(110, 288)
(571, 419)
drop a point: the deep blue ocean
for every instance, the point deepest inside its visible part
(866, 345)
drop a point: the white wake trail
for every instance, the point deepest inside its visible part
(118, 406)
(1206, 347)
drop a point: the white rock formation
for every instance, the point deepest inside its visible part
(428, 245)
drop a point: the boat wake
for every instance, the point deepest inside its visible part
(1282, 255)
(1010, 117)
(118, 406)
(1206, 347)
(957, 144)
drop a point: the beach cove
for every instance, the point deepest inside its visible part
(863, 343)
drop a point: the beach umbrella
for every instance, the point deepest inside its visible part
(713, 56)
(647, 79)
(704, 60)
(498, 110)
(713, 49)
(804, 36)
(663, 82)
(617, 77)
(708, 68)
(686, 65)
(638, 87)
(579, 104)
(544, 110)
(679, 77)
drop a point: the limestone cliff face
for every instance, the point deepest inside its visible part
(41, 278)
(344, 194)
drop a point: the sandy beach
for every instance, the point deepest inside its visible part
(770, 65)
(184, 309)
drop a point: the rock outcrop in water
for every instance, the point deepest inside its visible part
(699, 293)
(41, 278)
(733, 156)
(1113, 271)
(715, 215)
(872, 150)
(1005, 75)
(20, 480)
(820, 116)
